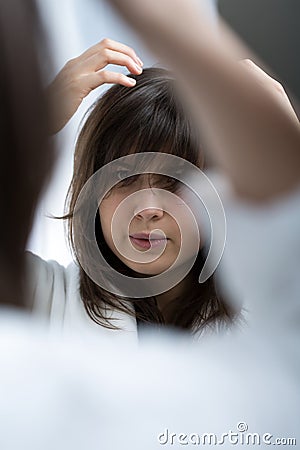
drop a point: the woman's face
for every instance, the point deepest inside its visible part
(146, 225)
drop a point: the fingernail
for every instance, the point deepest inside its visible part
(131, 81)
(139, 68)
(140, 61)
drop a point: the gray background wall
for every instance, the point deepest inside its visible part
(272, 29)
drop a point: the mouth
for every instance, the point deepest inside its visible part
(148, 240)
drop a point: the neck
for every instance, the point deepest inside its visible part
(166, 301)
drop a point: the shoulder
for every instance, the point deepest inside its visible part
(49, 284)
(54, 292)
(48, 269)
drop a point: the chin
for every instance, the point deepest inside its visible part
(149, 269)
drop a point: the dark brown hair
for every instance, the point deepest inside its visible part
(145, 118)
(26, 155)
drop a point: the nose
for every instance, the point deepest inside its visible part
(148, 204)
(150, 213)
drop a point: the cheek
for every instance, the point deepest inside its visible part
(106, 211)
(186, 232)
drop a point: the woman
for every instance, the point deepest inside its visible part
(143, 115)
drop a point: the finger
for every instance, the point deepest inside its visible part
(122, 48)
(104, 76)
(111, 45)
(99, 60)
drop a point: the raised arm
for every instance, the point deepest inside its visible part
(85, 73)
(248, 126)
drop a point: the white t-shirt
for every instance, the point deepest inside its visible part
(54, 291)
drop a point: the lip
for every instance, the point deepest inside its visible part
(144, 241)
(148, 236)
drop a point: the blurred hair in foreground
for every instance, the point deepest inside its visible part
(26, 153)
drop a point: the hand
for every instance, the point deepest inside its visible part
(83, 74)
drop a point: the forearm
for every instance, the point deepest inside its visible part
(245, 125)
